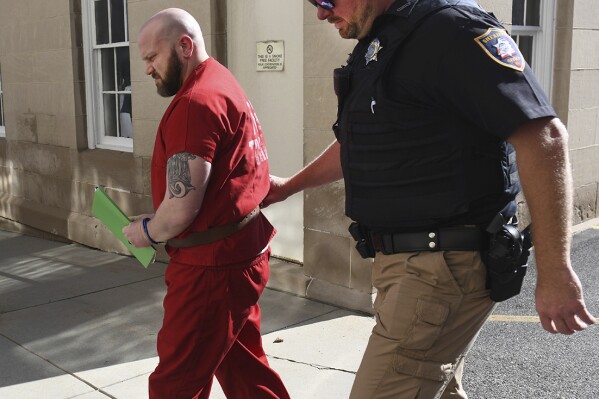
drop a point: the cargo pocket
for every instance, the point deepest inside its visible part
(429, 370)
(429, 319)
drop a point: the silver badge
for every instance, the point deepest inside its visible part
(373, 50)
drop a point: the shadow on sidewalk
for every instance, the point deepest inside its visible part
(69, 308)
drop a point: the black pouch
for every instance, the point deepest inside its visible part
(341, 79)
(341, 84)
(363, 241)
(506, 259)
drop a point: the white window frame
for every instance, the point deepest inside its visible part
(93, 72)
(543, 43)
(2, 109)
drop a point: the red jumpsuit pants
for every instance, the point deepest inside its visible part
(211, 328)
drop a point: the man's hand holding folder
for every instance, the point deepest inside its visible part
(115, 220)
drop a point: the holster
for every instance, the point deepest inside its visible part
(506, 258)
(363, 239)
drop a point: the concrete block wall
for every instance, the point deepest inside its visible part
(39, 58)
(583, 107)
(501, 8)
(338, 274)
(44, 95)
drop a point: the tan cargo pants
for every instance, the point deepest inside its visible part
(430, 307)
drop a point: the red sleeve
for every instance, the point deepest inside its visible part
(192, 127)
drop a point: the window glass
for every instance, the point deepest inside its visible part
(107, 62)
(108, 74)
(123, 69)
(102, 32)
(110, 115)
(117, 21)
(533, 28)
(526, 12)
(533, 14)
(525, 44)
(518, 12)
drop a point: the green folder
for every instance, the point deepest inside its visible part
(111, 215)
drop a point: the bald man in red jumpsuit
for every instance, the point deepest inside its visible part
(209, 174)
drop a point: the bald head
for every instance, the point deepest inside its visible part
(172, 46)
(171, 23)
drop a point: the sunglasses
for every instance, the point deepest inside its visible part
(325, 4)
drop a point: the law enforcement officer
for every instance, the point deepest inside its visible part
(433, 101)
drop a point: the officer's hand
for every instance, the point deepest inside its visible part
(278, 191)
(560, 302)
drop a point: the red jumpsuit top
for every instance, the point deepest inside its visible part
(211, 117)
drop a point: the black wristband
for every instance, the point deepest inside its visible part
(144, 223)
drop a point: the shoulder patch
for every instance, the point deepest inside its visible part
(502, 49)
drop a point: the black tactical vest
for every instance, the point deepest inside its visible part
(398, 176)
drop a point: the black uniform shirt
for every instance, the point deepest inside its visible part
(461, 67)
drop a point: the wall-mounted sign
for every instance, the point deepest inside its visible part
(270, 56)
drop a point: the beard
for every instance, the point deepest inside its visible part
(355, 27)
(171, 83)
(351, 32)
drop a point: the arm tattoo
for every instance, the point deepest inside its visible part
(178, 175)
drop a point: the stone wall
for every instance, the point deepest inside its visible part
(583, 103)
(337, 270)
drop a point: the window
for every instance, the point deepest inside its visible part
(533, 27)
(107, 74)
(2, 127)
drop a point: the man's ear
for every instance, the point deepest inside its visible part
(186, 46)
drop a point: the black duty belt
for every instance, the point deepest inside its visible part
(443, 239)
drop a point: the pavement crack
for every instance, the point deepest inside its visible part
(305, 321)
(95, 388)
(79, 295)
(313, 365)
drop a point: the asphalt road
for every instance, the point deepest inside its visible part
(515, 358)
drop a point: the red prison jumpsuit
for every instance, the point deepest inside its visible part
(211, 320)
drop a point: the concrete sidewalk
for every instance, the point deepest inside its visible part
(81, 323)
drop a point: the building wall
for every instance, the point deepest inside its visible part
(278, 101)
(338, 271)
(583, 102)
(45, 123)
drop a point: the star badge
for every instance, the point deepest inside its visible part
(373, 50)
